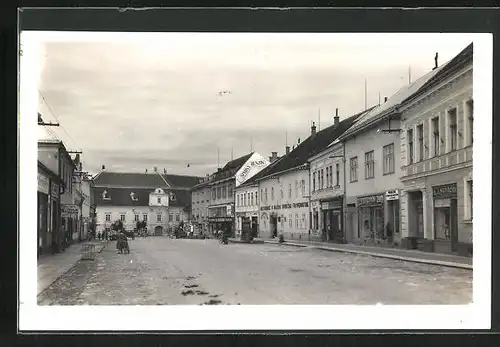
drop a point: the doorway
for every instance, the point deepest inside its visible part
(454, 225)
(273, 223)
(159, 231)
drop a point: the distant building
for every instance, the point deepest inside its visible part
(436, 153)
(163, 201)
(200, 201)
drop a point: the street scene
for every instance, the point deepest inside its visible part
(214, 169)
(164, 271)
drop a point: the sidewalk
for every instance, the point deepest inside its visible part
(51, 267)
(254, 241)
(415, 256)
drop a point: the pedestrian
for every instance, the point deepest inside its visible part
(99, 235)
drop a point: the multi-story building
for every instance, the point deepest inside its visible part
(373, 171)
(327, 191)
(284, 186)
(436, 153)
(88, 205)
(163, 201)
(54, 156)
(222, 186)
(200, 201)
(246, 195)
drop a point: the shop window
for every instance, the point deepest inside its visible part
(369, 165)
(420, 134)
(452, 116)
(470, 122)
(442, 220)
(388, 159)
(435, 135)
(354, 169)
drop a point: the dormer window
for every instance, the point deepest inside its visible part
(105, 195)
(134, 197)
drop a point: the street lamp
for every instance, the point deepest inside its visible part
(344, 200)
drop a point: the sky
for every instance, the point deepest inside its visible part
(135, 101)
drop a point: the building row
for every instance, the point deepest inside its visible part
(65, 206)
(398, 174)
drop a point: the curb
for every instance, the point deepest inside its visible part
(387, 256)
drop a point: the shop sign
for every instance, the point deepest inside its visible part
(285, 206)
(54, 190)
(69, 209)
(371, 200)
(331, 205)
(392, 195)
(445, 191)
(43, 183)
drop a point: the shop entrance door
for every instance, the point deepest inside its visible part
(454, 225)
(335, 220)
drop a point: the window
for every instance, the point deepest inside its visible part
(237, 200)
(354, 169)
(122, 217)
(452, 114)
(262, 195)
(159, 200)
(290, 221)
(108, 217)
(170, 217)
(331, 176)
(470, 122)
(327, 177)
(281, 193)
(303, 186)
(322, 179)
(213, 194)
(256, 197)
(219, 192)
(289, 190)
(265, 192)
(470, 198)
(410, 147)
(241, 200)
(337, 174)
(304, 224)
(251, 199)
(314, 181)
(435, 135)
(245, 199)
(389, 159)
(177, 217)
(230, 191)
(158, 217)
(224, 192)
(145, 217)
(272, 193)
(420, 134)
(136, 218)
(369, 165)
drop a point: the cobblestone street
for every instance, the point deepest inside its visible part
(162, 271)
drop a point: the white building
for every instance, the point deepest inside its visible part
(374, 170)
(436, 151)
(162, 200)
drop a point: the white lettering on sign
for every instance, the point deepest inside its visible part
(392, 195)
(251, 167)
(43, 183)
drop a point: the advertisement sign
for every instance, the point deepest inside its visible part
(392, 195)
(252, 167)
(43, 183)
(371, 200)
(445, 191)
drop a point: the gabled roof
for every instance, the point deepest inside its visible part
(231, 167)
(310, 147)
(121, 196)
(129, 179)
(461, 59)
(182, 181)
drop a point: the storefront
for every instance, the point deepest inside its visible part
(392, 217)
(69, 219)
(43, 213)
(223, 219)
(445, 218)
(332, 219)
(371, 218)
(55, 235)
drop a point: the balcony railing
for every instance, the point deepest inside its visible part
(460, 156)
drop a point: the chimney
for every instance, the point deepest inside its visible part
(385, 99)
(146, 170)
(313, 130)
(164, 170)
(103, 168)
(156, 169)
(77, 158)
(287, 149)
(336, 120)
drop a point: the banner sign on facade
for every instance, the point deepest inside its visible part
(43, 183)
(392, 195)
(445, 191)
(331, 205)
(253, 166)
(371, 200)
(69, 209)
(285, 206)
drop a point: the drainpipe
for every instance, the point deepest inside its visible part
(344, 200)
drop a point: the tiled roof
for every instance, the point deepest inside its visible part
(310, 147)
(231, 167)
(379, 112)
(462, 58)
(121, 196)
(129, 179)
(182, 181)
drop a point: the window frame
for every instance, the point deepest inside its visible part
(370, 164)
(453, 128)
(392, 169)
(353, 169)
(337, 174)
(420, 140)
(435, 121)
(411, 149)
